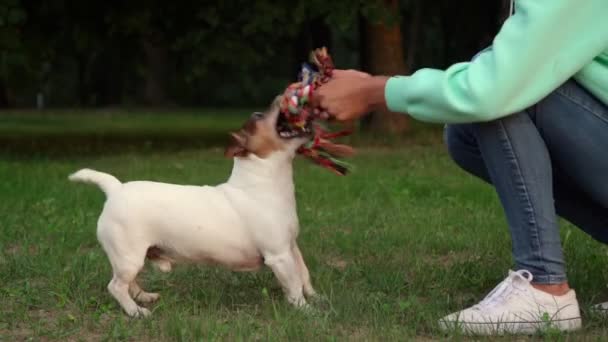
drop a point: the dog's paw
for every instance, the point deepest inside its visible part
(147, 297)
(140, 312)
(299, 302)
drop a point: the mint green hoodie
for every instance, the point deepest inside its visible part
(541, 46)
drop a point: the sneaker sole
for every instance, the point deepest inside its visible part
(506, 328)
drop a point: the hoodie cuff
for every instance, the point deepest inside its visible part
(394, 93)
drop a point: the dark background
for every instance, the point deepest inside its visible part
(218, 53)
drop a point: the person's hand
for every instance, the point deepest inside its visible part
(350, 73)
(350, 94)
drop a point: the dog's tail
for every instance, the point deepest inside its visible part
(106, 182)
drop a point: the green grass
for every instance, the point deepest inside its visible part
(402, 241)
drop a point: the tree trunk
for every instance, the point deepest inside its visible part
(315, 33)
(363, 44)
(468, 27)
(446, 19)
(413, 33)
(385, 56)
(320, 34)
(156, 56)
(81, 83)
(504, 11)
(4, 103)
(107, 77)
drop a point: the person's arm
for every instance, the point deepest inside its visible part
(542, 45)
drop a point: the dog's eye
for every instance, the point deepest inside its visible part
(257, 115)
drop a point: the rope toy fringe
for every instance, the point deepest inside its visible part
(296, 106)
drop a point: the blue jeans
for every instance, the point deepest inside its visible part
(550, 159)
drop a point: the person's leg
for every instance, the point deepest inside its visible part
(570, 202)
(574, 126)
(578, 163)
(552, 151)
(511, 154)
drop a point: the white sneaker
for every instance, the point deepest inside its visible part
(516, 307)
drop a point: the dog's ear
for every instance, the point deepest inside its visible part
(237, 146)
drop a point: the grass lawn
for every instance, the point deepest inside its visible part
(402, 241)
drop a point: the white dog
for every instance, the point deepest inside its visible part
(244, 223)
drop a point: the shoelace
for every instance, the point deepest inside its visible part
(502, 291)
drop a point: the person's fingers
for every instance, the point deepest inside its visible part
(328, 111)
(321, 114)
(338, 115)
(337, 73)
(320, 102)
(317, 98)
(350, 73)
(342, 116)
(343, 73)
(359, 73)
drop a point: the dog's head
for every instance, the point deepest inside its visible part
(265, 133)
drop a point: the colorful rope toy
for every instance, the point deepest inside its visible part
(300, 117)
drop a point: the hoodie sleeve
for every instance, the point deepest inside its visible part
(538, 48)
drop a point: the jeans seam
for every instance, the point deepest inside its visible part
(507, 139)
(582, 105)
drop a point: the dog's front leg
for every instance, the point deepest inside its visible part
(285, 267)
(309, 291)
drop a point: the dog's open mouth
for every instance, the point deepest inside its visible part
(286, 130)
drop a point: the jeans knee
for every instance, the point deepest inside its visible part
(464, 149)
(458, 143)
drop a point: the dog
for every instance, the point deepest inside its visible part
(245, 223)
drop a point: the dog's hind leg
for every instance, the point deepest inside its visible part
(119, 288)
(125, 271)
(127, 256)
(140, 295)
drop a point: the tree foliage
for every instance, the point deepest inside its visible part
(95, 53)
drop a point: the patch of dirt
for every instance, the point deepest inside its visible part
(337, 262)
(19, 249)
(50, 320)
(18, 334)
(327, 232)
(13, 250)
(450, 259)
